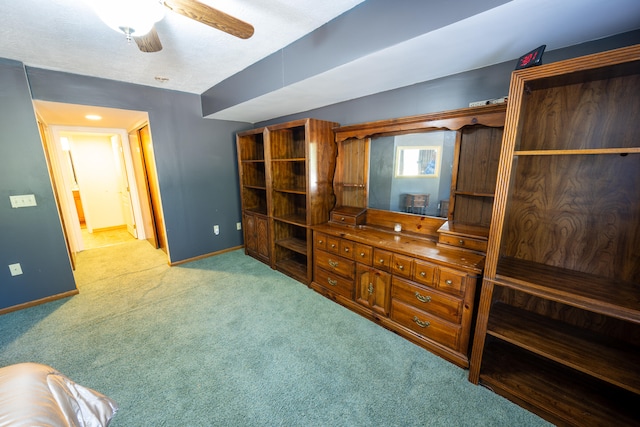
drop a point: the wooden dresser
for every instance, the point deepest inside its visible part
(406, 283)
(414, 274)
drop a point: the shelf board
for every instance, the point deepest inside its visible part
(465, 230)
(257, 210)
(252, 160)
(293, 268)
(295, 219)
(256, 187)
(347, 185)
(291, 190)
(576, 151)
(573, 288)
(294, 244)
(291, 159)
(601, 357)
(473, 194)
(559, 395)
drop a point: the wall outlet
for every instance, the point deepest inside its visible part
(15, 269)
(23, 200)
(501, 100)
(216, 230)
(479, 103)
(238, 226)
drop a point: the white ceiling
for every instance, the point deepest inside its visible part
(66, 35)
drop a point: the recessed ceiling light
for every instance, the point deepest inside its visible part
(93, 117)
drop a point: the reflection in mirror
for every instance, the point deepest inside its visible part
(419, 193)
(417, 162)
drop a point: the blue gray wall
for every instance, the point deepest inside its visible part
(30, 236)
(195, 158)
(447, 93)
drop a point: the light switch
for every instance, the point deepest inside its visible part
(23, 200)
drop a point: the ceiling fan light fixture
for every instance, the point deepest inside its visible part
(131, 17)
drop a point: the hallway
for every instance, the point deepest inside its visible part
(100, 239)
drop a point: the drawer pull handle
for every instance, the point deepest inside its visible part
(461, 242)
(448, 282)
(381, 261)
(333, 245)
(420, 322)
(401, 267)
(422, 298)
(333, 263)
(370, 288)
(423, 274)
(320, 242)
(342, 219)
(362, 254)
(346, 249)
(332, 282)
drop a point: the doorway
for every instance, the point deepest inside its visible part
(97, 169)
(103, 182)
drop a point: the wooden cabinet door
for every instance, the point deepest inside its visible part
(372, 288)
(250, 242)
(256, 237)
(262, 237)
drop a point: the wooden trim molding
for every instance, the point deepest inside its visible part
(39, 301)
(488, 115)
(210, 254)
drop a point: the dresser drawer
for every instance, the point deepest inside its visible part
(451, 281)
(382, 259)
(336, 264)
(424, 272)
(426, 324)
(320, 241)
(347, 248)
(427, 299)
(363, 254)
(464, 242)
(402, 265)
(348, 215)
(333, 244)
(334, 282)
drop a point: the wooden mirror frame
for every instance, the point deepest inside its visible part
(352, 169)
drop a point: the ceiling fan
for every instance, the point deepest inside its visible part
(137, 18)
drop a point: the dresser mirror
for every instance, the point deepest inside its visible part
(412, 172)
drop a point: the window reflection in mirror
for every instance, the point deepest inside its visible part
(417, 162)
(388, 191)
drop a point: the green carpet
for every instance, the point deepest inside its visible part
(226, 341)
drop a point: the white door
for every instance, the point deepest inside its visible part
(125, 190)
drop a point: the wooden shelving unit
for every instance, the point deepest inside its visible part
(285, 173)
(558, 327)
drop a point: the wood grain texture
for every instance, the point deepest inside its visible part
(212, 17)
(492, 115)
(560, 303)
(577, 212)
(286, 172)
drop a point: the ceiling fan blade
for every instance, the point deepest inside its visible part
(150, 42)
(211, 17)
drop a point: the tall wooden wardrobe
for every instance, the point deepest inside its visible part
(286, 174)
(558, 328)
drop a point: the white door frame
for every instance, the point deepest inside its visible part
(66, 185)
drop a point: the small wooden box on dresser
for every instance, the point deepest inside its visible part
(410, 281)
(285, 183)
(558, 328)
